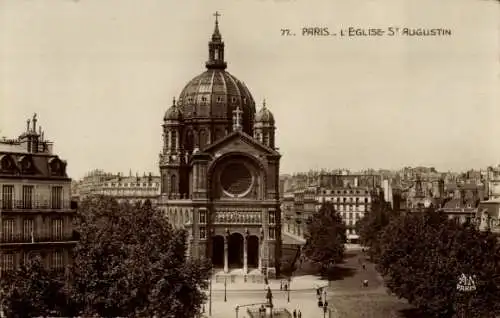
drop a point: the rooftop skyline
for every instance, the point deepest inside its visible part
(100, 75)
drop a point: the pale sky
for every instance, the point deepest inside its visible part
(101, 73)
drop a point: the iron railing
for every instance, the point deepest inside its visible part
(38, 238)
(11, 205)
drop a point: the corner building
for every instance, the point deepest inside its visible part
(220, 171)
(36, 214)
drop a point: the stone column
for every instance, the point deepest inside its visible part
(226, 265)
(245, 254)
(195, 178)
(177, 140)
(261, 251)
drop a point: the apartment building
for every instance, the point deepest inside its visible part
(36, 214)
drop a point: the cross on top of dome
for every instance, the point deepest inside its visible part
(216, 48)
(216, 35)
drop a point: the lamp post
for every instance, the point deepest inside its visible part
(289, 287)
(269, 297)
(210, 292)
(323, 303)
(225, 289)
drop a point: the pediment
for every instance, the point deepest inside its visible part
(239, 142)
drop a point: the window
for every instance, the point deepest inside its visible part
(271, 233)
(57, 229)
(28, 234)
(8, 229)
(272, 217)
(203, 217)
(27, 257)
(57, 197)
(366, 200)
(7, 261)
(27, 197)
(7, 196)
(203, 232)
(56, 260)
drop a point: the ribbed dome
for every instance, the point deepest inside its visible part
(264, 115)
(214, 95)
(173, 113)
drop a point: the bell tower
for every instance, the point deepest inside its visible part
(264, 129)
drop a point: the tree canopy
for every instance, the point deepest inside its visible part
(325, 237)
(33, 291)
(371, 226)
(425, 255)
(129, 262)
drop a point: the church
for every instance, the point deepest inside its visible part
(219, 169)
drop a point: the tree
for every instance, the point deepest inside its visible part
(130, 262)
(423, 255)
(32, 291)
(325, 237)
(371, 226)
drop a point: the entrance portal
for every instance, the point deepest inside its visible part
(235, 250)
(253, 251)
(218, 251)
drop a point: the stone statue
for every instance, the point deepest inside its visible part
(484, 225)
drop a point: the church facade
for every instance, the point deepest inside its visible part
(220, 171)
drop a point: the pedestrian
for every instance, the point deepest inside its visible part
(318, 292)
(281, 285)
(364, 266)
(300, 314)
(294, 313)
(286, 286)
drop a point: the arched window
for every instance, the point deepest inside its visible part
(173, 136)
(173, 184)
(203, 138)
(189, 141)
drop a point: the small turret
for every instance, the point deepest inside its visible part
(264, 126)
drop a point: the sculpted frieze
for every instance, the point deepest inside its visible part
(238, 217)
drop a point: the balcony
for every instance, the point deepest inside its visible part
(38, 239)
(35, 205)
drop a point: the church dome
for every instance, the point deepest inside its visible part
(215, 94)
(264, 115)
(208, 101)
(173, 113)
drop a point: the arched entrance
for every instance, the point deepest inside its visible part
(235, 250)
(218, 251)
(253, 251)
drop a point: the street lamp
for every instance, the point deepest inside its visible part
(323, 303)
(210, 291)
(269, 297)
(225, 289)
(289, 287)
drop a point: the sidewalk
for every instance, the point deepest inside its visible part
(307, 282)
